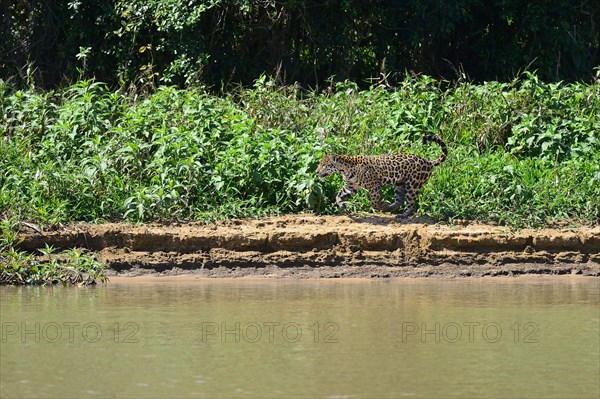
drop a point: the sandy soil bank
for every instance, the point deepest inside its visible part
(308, 246)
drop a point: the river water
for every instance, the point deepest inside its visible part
(480, 338)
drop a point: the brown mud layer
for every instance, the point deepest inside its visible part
(308, 246)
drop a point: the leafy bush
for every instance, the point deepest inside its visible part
(524, 152)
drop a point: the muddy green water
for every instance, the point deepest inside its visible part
(519, 338)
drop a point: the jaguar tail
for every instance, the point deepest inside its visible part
(436, 162)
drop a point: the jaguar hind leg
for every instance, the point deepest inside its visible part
(377, 203)
(399, 195)
(375, 199)
(411, 200)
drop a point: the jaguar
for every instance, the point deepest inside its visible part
(408, 172)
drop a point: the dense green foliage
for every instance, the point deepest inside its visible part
(521, 153)
(18, 267)
(236, 144)
(215, 42)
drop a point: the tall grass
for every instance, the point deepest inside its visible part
(523, 153)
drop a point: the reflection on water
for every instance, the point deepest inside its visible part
(273, 338)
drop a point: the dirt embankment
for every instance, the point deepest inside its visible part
(330, 246)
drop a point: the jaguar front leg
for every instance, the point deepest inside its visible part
(343, 195)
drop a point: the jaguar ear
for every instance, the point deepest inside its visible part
(334, 157)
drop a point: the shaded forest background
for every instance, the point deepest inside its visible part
(218, 43)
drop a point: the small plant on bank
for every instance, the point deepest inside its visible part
(20, 268)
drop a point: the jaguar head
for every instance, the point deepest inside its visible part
(327, 165)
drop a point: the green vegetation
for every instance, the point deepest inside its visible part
(18, 267)
(183, 129)
(220, 42)
(523, 153)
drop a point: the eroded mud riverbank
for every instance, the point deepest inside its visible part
(308, 246)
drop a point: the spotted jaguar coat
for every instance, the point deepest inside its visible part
(408, 172)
